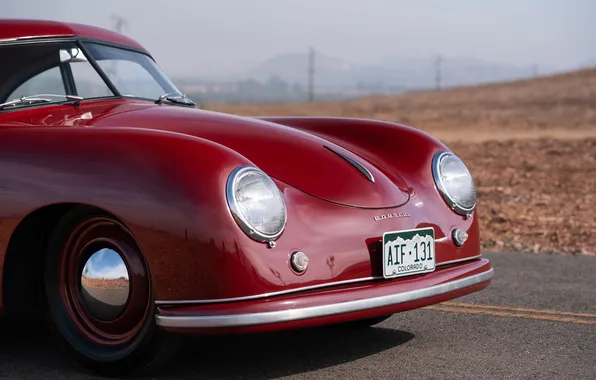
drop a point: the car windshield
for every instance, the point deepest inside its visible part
(133, 74)
(33, 75)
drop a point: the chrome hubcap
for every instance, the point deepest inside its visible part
(105, 285)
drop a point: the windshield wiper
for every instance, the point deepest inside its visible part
(40, 98)
(175, 97)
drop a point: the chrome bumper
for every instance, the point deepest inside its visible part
(249, 319)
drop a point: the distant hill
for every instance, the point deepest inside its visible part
(408, 73)
(557, 104)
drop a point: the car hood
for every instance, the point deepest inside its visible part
(300, 159)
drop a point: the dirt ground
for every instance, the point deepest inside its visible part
(531, 146)
(566, 103)
(535, 195)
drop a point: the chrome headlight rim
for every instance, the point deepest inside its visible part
(244, 225)
(438, 158)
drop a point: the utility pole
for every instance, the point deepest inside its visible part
(438, 62)
(311, 75)
(535, 70)
(119, 23)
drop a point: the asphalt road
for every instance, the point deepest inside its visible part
(537, 320)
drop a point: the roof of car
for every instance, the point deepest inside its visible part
(14, 29)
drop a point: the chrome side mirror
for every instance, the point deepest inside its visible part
(72, 55)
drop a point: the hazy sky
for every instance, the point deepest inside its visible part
(203, 36)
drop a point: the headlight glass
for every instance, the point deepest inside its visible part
(454, 182)
(256, 203)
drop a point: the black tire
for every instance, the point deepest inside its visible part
(143, 347)
(363, 323)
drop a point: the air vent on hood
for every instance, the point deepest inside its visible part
(356, 164)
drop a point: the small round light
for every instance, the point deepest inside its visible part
(459, 237)
(299, 261)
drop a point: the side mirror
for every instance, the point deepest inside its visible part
(72, 55)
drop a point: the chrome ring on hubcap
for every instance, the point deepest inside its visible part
(105, 285)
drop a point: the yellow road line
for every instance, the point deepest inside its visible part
(522, 309)
(508, 314)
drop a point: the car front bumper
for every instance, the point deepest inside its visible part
(329, 305)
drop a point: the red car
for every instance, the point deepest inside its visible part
(129, 217)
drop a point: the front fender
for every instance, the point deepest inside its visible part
(168, 188)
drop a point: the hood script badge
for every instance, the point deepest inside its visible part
(391, 216)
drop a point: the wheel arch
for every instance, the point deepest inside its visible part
(23, 261)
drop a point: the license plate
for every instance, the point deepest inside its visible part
(408, 252)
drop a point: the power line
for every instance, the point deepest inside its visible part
(311, 75)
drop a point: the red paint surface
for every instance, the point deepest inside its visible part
(169, 188)
(29, 29)
(162, 170)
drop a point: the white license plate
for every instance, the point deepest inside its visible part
(408, 252)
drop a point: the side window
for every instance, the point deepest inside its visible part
(47, 82)
(45, 69)
(88, 82)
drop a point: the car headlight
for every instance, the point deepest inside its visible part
(256, 203)
(455, 182)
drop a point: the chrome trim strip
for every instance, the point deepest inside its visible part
(28, 38)
(458, 260)
(354, 163)
(296, 290)
(210, 321)
(266, 295)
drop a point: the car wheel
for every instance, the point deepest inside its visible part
(99, 296)
(364, 323)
